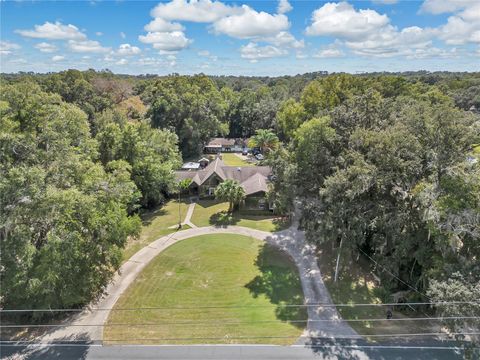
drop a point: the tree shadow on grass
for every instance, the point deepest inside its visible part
(149, 215)
(223, 219)
(280, 283)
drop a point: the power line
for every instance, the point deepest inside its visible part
(227, 322)
(350, 337)
(81, 343)
(296, 337)
(246, 306)
(396, 277)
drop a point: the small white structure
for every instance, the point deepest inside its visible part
(191, 165)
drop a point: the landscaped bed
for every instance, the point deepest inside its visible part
(212, 289)
(212, 212)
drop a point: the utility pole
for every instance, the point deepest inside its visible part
(179, 208)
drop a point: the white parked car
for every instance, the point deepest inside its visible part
(259, 157)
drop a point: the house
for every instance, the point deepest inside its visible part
(217, 145)
(253, 179)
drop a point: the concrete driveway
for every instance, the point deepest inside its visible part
(88, 325)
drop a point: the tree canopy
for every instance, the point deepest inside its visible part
(383, 167)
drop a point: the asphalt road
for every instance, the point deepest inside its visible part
(233, 352)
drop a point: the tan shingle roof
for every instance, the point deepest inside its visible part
(182, 175)
(253, 179)
(215, 167)
(254, 184)
(221, 141)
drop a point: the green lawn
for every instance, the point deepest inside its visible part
(356, 285)
(213, 212)
(247, 281)
(233, 160)
(156, 224)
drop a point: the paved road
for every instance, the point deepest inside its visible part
(440, 351)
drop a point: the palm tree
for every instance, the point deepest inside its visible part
(264, 139)
(230, 191)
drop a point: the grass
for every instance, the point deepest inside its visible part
(213, 212)
(156, 224)
(476, 149)
(231, 159)
(356, 285)
(247, 282)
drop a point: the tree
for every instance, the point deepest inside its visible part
(387, 179)
(152, 153)
(289, 117)
(191, 107)
(266, 140)
(315, 143)
(230, 191)
(64, 217)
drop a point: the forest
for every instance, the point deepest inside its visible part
(385, 165)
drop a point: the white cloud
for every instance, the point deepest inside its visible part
(241, 22)
(88, 46)
(342, 20)
(444, 6)
(56, 31)
(168, 41)
(46, 47)
(58, 58)
(432, 52)
(251, 24)
(161, 25)
(149, 61)
(127, 49)
(284, 39)
(7, 47)
(463, 27)
(390, 42)
(207, 54)
(122, 35)
(99, 33)
(366, 32)
(202, 11)
(253, 52)
(284, 7)
(329, 52)
(122, 62)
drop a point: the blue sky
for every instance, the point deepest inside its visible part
(240, 37)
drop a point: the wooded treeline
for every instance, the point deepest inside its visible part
(384, 163)
(388, 169)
